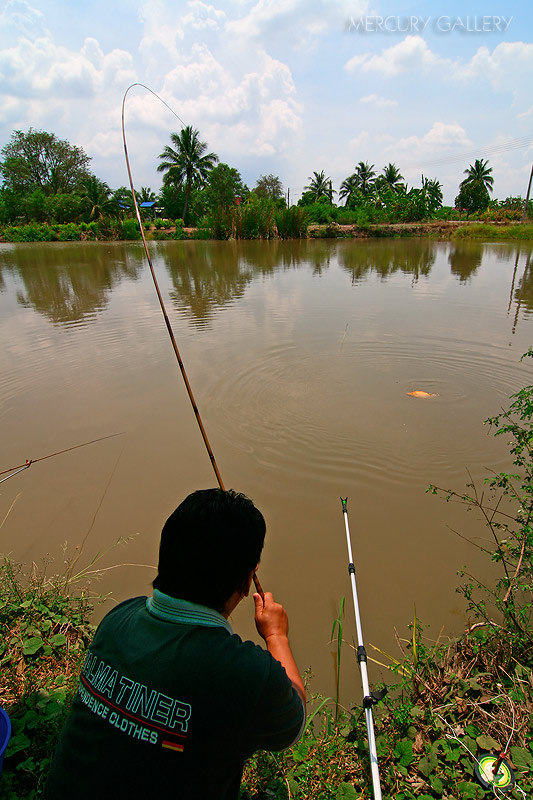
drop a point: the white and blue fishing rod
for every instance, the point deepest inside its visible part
(369, 699)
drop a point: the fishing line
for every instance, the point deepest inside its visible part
(258, 586)
(159, 296)
(29, 461)
(493, 772)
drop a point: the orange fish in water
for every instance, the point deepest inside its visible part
(420, 393)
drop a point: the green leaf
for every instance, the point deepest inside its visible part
(294, 787)
(58, 640)
(17, 743)
(427, 764)
(300, 752)
(487, 743)
(30, 646)
(521, 757)
(404, 752)
(436, 784)
(346, 792)
(470, 791)
(470, 743)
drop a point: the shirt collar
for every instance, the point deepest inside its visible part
(171, 609)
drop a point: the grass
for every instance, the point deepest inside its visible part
(472, 692)
(464, 693)
(44, 633)
(495, 232)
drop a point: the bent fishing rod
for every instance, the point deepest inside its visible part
(162, 304)
(369, 698)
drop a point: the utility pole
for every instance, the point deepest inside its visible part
(288, 198)
(524, 214)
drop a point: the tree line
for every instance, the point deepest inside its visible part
(48, 180)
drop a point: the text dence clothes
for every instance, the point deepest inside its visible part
(170, 703)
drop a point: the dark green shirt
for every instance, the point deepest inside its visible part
(170, 703)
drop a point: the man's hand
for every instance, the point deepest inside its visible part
(270, 617)
(272, 625)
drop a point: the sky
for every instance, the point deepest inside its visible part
(287, 87)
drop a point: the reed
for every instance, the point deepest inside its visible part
(291, 223)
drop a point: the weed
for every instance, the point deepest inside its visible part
(337, 625)
(44, 632)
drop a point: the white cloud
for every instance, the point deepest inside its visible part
(302, 22)
(408, 55)
(239, 96)
(18, 18)
(361, 140)
(509, 61)
(365, 138)
(202, 16)
(508, 67)
(441, 136)
(42, 69)
(214, 97)
(376, 100)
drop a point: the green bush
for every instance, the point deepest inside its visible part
(44, 632)
(321, 213)
(291, 223)
(129, 229)
(42, 232)
(345, 216)
(34, 232)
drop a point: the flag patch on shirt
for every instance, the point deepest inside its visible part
(172, 746)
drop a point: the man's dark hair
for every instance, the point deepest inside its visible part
(209, 545)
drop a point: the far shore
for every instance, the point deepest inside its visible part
(443, 230)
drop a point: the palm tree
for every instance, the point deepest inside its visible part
(432, 192)
(96, 199)
(320, 187)
(391, 178)
(349, 187)
(145, 195)
(478, 175)
(188, 164)
(365, 173)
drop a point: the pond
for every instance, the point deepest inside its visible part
(301, 356)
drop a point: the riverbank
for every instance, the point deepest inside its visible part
(435, 229)
(164, 230)
(453, 698)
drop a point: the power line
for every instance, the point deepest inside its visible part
(490, 150)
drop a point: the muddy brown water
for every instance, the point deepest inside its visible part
(301, 356)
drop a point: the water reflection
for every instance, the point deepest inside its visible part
(208, 275)
(69, 283)
(413, 257)
(465, 259)
(523, 292)
(204, 275)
